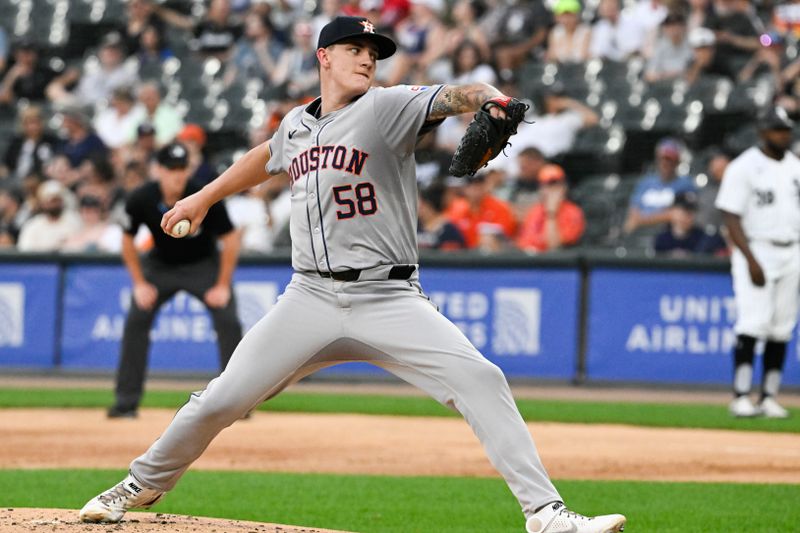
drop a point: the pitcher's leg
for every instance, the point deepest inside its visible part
(266, 359)
(427, 350)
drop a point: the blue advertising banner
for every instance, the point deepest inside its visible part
(504, 313)
(96, 301)
(28, 308)
(671, 327)
(523, 320)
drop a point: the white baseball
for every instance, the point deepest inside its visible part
(181, 228)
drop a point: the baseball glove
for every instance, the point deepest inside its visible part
(486, 136)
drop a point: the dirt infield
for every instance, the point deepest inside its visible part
(395, 445)
(60, 520)
(392, 445)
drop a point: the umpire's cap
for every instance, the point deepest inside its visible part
(341, 28)
(775, 118)
(173, 156)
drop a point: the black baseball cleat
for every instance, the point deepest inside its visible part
(117, 411)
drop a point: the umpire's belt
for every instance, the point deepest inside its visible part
(383, 272)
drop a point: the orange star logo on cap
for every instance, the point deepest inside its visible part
(368, 26)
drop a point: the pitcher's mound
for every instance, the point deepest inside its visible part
(23, 520)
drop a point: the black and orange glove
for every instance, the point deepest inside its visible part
(486, 136)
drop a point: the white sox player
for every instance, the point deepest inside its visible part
(760, 203)
(355, 293)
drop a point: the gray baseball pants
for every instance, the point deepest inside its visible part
(319, 322)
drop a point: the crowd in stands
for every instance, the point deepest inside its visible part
(637, 107)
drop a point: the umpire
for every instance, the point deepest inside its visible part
(192, 264)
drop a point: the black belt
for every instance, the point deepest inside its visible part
(396, 272)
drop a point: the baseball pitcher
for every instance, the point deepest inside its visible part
(355, 294)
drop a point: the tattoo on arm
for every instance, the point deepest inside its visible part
(456, 99)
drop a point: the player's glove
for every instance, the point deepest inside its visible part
(486, 136)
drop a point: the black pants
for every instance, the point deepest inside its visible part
(196, 279)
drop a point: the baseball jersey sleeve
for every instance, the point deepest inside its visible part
(401, 112)
(275, 163)
(734, 190)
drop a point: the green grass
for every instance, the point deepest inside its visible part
(382, 504)
(639, 414)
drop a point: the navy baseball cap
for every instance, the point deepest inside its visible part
(341, 28)
(173, 156)
(775, 118)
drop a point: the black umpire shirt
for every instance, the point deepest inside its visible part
(146, 206)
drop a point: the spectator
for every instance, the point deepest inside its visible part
(568, 41)
(116, 123)
(27, 77)
(392, 13)
(553, 222)
(134, 175)
(786, 18)
(152, 51)
(141, 17)
(736, 31)
(703, 45)
(769, 59)
(479, 208)
(432, 162)
(3, 48)
(421, 39)
(193, 137)
(708, 216)
(30, 202)
(605, 41)
(672, 53)
(248, 214)
(328, 10)
(81, 142)
(101, 74)
(638, 25)
(143, 149)
(11, 199)
(297, 69)
(31, 148)
(681, 235)
(97, 233)
(524, 189)
(55, 223)
(213, 35)
(552, 129)
(466, 14)
(789, 96)
(216, 34)
(467, 66)
(257, 53)
(655, 193)
(517, 31)
(434, 230)
(152, 110)
(699, 12)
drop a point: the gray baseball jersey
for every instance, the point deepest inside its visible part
(354, 207)
(353, 179)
